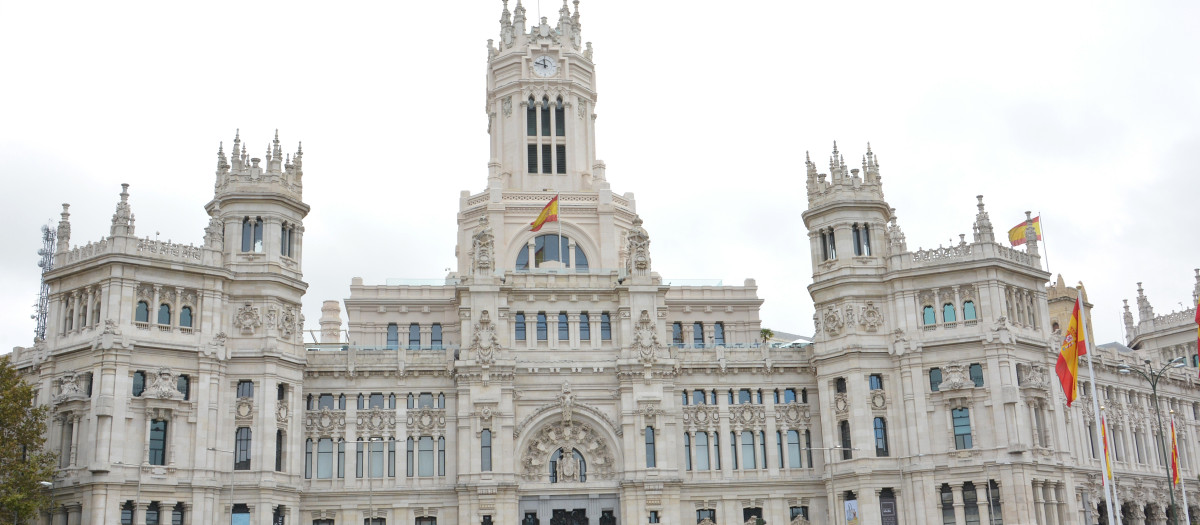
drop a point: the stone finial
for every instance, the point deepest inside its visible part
(983, 223)
(122, 219)
(1196, 290)
(1031, 236)
(1145, 311)
(1127, 317)
(64, 230)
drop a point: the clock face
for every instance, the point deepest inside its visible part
(545, 66)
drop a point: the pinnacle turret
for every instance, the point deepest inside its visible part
(122, 219)
(257, 174)
(841, 177)
(983, 224)
(63, 235)
(1145, 311)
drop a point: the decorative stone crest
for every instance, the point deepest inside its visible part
(841, 404)
(377, 420)
(484, 342)
(71, 386)
(568, 437)
(506, 105)
(325, 422)
(427, 422)
(483, 247)
(110, 328)
(706, 521)
(799, 520)
(955, 376)
(869, 317)
(747, 416)
(282, 411)
(638, 247)
(214, 233)
(287, 322)
(832, 321)
(645, 339)
(701, 417)
(243, 410)
(164, 386)
(247, 319)
(792, 416)
(878, 399)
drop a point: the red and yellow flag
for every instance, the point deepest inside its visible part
(549, 214)
(1174, 455)
(1016, 235)
(1074, 345)
(1104, 438)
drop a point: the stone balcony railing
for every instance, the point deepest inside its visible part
(963, 252)
(144, 247)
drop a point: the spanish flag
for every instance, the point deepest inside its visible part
(1016, 236)
(1074, 345)
(1104, 438)
(549, 214)
(1174, 455)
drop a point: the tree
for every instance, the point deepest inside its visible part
(24, 461)
(766, 334)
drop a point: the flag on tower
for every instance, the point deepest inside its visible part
(548, 214)
(1016, 235)
(1174, 455)
(1073, 346)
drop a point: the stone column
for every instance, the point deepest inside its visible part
(960, 515)
(573, 330)
(1052, 516)
(1039, 502)
(75, 420)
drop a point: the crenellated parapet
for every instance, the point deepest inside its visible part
(567, 33)
(272, 173)
(843, 182)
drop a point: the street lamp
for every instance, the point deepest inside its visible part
(1153, 376)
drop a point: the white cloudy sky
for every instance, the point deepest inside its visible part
(1085, 111)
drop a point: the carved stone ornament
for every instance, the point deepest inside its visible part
(110, 327)
(1033, 376)
(566, 401)
(247, 319)
(427, 422)
(483, 247)
(747, 416)
(214, 233)
(638, 247)
(832, 321)
(287, 322)
(706, 521)
(701, 417)
(879, 399)
(377, 420)
(793, 416)
(506, 106)
(282, 411)
(325, 422)
(869, 317)
(164, 386)
(799, 520)
(841, 404)
(243, 409)
(954, 377)
(645, 339)
(575, 435)
(484, 342)
(71, 386)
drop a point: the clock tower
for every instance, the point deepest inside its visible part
(541, 88)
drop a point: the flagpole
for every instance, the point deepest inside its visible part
(1095, 401)
(562, 257)
(1112, 478)
(1045, 247)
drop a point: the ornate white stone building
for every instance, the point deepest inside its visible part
(554, 378)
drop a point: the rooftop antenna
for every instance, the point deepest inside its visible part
(46, 263)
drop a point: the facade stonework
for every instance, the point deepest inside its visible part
(554, 377)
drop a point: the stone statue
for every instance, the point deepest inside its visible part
(566, 399)
(483, 245)
(638, 248)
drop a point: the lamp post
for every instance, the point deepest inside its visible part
(1153, 376)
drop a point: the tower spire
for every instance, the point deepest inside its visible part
(122, 219)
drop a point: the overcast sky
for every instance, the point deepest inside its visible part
(1085, 112)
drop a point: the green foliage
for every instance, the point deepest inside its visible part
(24, 461)
(766, 334)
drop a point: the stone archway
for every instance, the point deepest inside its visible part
(573, 434)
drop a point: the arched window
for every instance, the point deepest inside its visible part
(531, 120)
(258, 235)
(969, 313)
(164, 314)
(142, 314)
(828, 245)
(70, 319)
(553, 247)
(948, 313)
(185, 317)
(580, 465)
(839, 385)
(881, 441)
(560, 122)
(927, 316)
(545, 118)
(393, 336)
(83, 317)
(96, 313)
(247, 234)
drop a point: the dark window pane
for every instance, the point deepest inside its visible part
(976, 374)
(927, 316)
(948, 313)
(532, 153)
(546, 164)
(139, 383)
(143, 312)
(564, 332)
(241, 456)
(436, 336)
(520, 326)
(414, 336)
(585, 325)
(560, 158)
(560, 122)
(969, 311)
(531, 119)
(935, 379)
(164, 314)
(185, 317)
(158, 442)
(719, 333)
(546, 119)
(605, 327)
(541, 326)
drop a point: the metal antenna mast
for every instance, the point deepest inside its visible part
(46, 264)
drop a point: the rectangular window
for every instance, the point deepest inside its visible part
(279, 441)
(485, 450)
(324, 458)
(789, 395)
(425, 400)
(687, 451)
(391, 459)
(181, 384)
(585, 327)
(716, 446)
(546, 164)
(798, 512)
(158, 442)
(177, 514)
(308, 457)
(793, 445)
(651, 461)
(376, 400)
(698, 334)
(605, 327)
(677, 334)
(241, 457)
(408, 458)
(325, 401)
(935, 379)
(706, 514)
(139, 383)
(376, 458)
(127, 513)
(808, 455)
(359, 449)
(962, 428)
(245, 389)
(744, 396)
(762, 448)
(698, 397)
(542, 334)
(425, 456)
(719, 334)
(564, 332)
(442, 456)
(520, 326)
(436, 336)
(532, 151)
(654, 516)
(779, 445)
(976, 371)
(531, 120)
(341, 458)
(875, 382)
(733, 449)
(546, 119)
(702, 451)
(560, 159)
(748, 450)
(560, 122)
